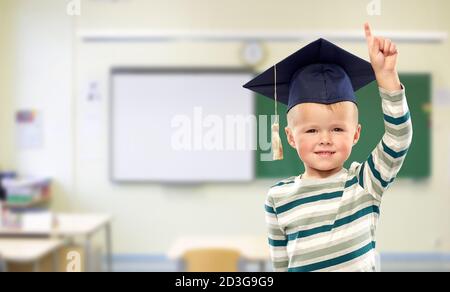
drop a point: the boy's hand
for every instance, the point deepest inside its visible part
(383, 57)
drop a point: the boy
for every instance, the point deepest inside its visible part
(325, 219)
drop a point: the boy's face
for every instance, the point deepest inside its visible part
(323, 136)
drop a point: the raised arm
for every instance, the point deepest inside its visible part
(380, 169)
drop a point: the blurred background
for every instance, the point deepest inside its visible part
(90, 92)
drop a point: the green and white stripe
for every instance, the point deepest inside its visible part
(329, 224)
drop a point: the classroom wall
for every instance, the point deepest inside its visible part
(5, 91)
(148, 217)
(37, 65)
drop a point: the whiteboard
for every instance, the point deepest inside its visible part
(149, 108)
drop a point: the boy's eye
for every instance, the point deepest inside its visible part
(311, 131)
(338, 129)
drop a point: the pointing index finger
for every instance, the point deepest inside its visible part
(368, 31)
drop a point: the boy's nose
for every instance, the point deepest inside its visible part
(325, 138)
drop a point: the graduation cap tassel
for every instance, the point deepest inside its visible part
(277, 147)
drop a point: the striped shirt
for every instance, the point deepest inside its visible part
(329, 224)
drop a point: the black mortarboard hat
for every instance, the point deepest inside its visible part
(320, 72)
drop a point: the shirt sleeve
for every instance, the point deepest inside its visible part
(381, 167)
(277, 239)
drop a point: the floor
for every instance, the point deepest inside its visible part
(391, 262)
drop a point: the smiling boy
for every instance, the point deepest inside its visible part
(325, 219)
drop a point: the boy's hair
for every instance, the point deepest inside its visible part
(333, 107)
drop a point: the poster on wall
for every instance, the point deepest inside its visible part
(29, 124)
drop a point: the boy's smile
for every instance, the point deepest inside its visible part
(325, 154)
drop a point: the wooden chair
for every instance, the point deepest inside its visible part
(211, 260)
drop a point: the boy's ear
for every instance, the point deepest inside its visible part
(357, 134)
(290, 137)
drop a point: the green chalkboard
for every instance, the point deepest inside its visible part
(417, 163)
